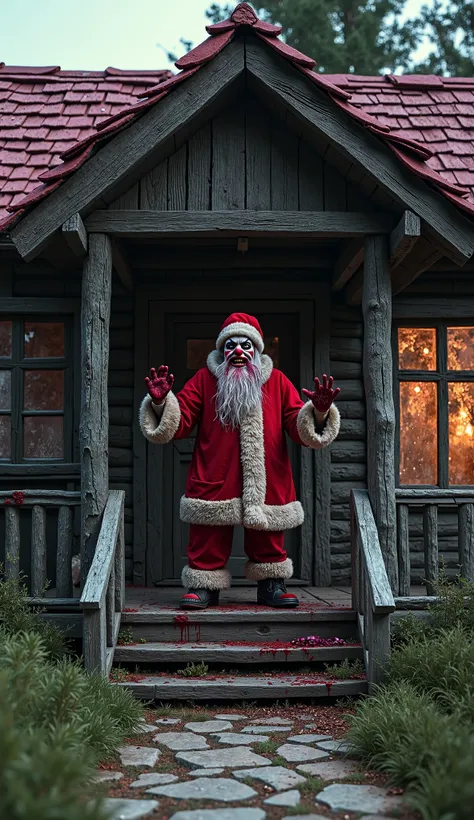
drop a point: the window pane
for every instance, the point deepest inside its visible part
(5, 339)
(197, 352)
(417, 348)
(5, 439)
(461, 432)
(44, 339)
(5, 389)
(43, 390)
(460, 348)
(418, 433)
(43, 437)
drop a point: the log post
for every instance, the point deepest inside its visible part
(94, 420)
(377, 365)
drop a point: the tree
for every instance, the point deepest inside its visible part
(450, 30)
(363, 37)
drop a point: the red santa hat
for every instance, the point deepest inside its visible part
(241, 324)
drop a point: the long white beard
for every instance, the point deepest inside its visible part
(239, 391)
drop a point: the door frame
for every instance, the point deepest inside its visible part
(314, 320)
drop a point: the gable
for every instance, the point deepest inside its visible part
(245, 158)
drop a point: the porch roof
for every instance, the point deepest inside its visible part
(409, 114)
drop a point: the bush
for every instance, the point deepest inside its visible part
(56, 723)
(17, 616)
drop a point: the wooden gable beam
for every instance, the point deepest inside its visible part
(403, 238)
(346, 264)
(121, 265)
(75, 235)
(269, 75)
(132, 152)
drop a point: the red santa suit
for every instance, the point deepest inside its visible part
(238, 476)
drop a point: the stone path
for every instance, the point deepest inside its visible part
(211, 761)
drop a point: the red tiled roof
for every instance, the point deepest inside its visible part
(51, 120)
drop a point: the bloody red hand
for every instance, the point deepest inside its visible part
(159, 384)
(323, 394)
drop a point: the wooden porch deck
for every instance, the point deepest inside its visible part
(153, 598)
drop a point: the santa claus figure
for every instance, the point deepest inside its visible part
(240, 470)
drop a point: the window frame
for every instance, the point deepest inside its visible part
(442, 377)
(47, 310)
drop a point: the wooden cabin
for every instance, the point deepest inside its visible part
(139, 209)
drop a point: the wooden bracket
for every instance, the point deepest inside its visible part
(122, 265)
(346, 264)
(403, 238)
(75, 234)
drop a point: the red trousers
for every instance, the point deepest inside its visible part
(209, 548)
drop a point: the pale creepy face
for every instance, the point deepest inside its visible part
(239, 351)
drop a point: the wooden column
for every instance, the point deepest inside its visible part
(322, 458)
(377, 364)
(94, 421)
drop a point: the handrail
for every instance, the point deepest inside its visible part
(103, 595)
(372, 596)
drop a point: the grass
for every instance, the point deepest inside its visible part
(125, 636)
(345, 670)
(266, 746)
(300, 809)
(194, 670)
(17, 616)
(312, 785)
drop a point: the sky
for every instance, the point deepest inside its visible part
(94, 34)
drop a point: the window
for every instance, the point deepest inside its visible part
(436, 404)
(36, 399)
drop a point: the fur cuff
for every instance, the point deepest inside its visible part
(205, 578)
(211, 513)
(259, 572)
(163, 430)
(307, 430)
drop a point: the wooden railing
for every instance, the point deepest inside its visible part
(39, 502)
(372, 596)
(103, 595)
(429, 502)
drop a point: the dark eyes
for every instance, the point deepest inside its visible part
(232, 345)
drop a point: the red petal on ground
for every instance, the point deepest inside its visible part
(205, 51)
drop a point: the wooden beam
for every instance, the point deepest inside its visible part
(94, 418)
(122, 265)
(162, 224)
(403, 237)
(268, 74)
(353, 291)
(377, 366)
(75, 235)
(348, 261)
(322, 458)
(124, 159)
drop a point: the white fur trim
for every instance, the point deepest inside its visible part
(240, 329)
(284, 517)
(205, 578)
(307, 430)
(210, 513)
(162, 430)
(216, 358)
(260, 572)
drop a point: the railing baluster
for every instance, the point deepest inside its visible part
(380, 648)
(64, 553)
(355, 561)
(38, 550)
(110, 607)
(430, 541)
(12, 542)
(466, 540)
(120, 569)
(403, 548)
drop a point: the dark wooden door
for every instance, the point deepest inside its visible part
(184, 344)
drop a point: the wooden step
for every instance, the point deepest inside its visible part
(242, 687)
(235, 654)
(236, 623)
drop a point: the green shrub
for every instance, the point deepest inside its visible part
(455, 604)
(56, 723)
(409, 628)
(345, 670)
(17, 616)
(194, 670)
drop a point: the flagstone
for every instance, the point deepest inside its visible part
(329, 769)
(313, 817)
(259, 730)
(305, 738)
(102, 776)
(153, 779)
(206, 788)
(206, 772)
(208, 726)
(272, 721)
(230, 717)
(138, 755)
(118, 808)
(340, 747)
(221, 814)
(233, 758)
(278, 777)
(288, 799)
(298, 753)
(239, 739)
(168, 721)
(347, 797)
(180, 741)
(145, 727)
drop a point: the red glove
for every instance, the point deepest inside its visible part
(323, 395)
(159, 384)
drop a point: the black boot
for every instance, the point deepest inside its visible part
(273, 592)
(199, 599)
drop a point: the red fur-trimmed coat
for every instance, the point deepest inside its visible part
(240, 476)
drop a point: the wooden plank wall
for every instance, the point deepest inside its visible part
(348, 453)
(244, 158)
